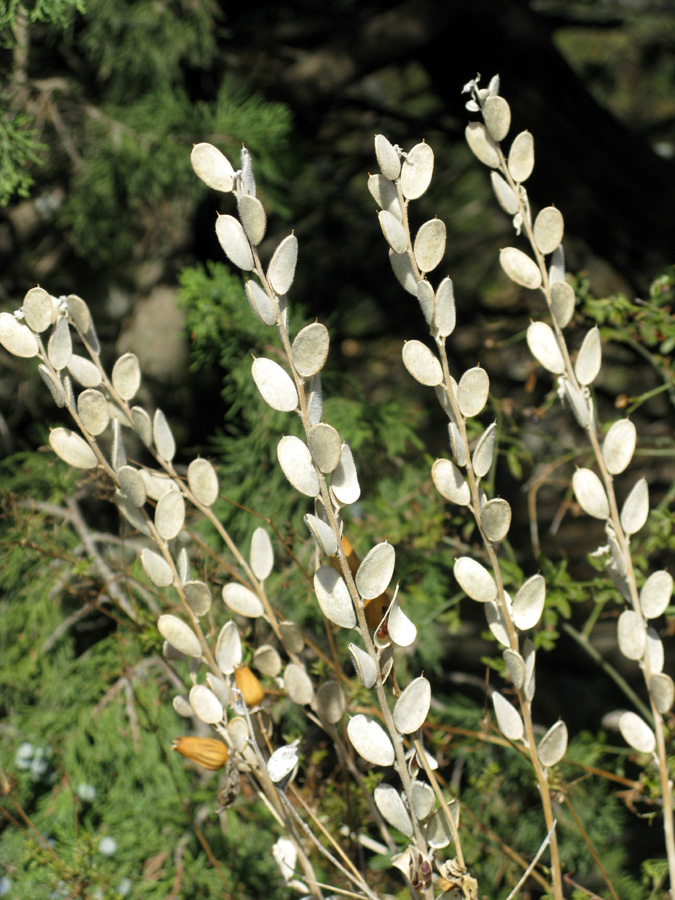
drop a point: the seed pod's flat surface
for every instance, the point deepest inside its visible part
(504, 194)
(515, 666)
(521, 157)
(323, 534)
(578, 403)
(553, 745)
(475, 580)
(292, 637)
(310, 349)
(420, 361)
(228, 648)
(130, 512)
(497, 623)
(198, 596)
(588, 362)
(528, 604)
(416, 171)
(142, 424)
(233, 240)
(663, 692)
(267, 660)
(170, 514)
(637, 733)
(72, 448)
(263, 306)
(237, 729)
(207, 707)
(412, 706)
(275, 385)
(164, 440)
(252, 217)
(394, 232)
(212, 167)
(619, 446)
(632, 634)
(79, 314)
(156, 568)
(508, 718)
(391, 806)
(16, 337)
(298, 685)
(384, 193)
(562, 302)
(497, 115)
(423, 799)
(374, 573)
(548, 229)
(179, 635)
(450, 483)
(403, 271)
(387, 158)
(60, 346)
(296, 462)
(330, 702)
(429, 247)
(281, 271)
(156, 485)
(333, 596)
(370, 741)
(314, 400)
(495, 517)
(482, 144)
(181, 704)
(364, 665)
(544, 347)
(590, 493)
(262, 554)
(472, 391)
(126, 376)
(242, 601)
(484, 452)
(92, 408)
(220, 688)
(520, 267)
(654, 653)
(438, 832)
(636, 508)
(84, 371)
(118, 455)
(656, 593)
(203, 481)
(402, 630)
(38, 309)
(444, 314)
(325, 446)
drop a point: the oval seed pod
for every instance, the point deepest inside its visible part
(228, 648)
(16, 337)
(508, 718)
(212, 167)
(637, 733)
(528, 604)
(403, 270)
(544, 347)
(170, 514)
(232, 238)
(330, 702)
(156, 568)
(495, 519)
(267, 660)
(282, 764)
(323, 534)
(450, 483)
(472, 391)
(384, 193)
(84, 371)
(619, 446)
(420, 361)
(79, 314)
(118, 455)
(548, 229)
(131, 513)
(364, 665)
(635, 508)
(179, 635)
(520, 267)
(60, 346)
(521, 157)
(281, 270)
(387, 158)
(497, 116)
(333, 596)
(438, 831)
(325, 446)
(38, 309)
(429, 247)
(298, 685)
(412, 706)
(198, 596)
(475, 580)
(423, 799)
(251, 689)
(263, 306)
(54, 386)
(590, 493)
(374, 573)
(663, 692)
(310, 349)
(402, 630)
(72, 448)
(203, 481)
(515, 666)
(632, 634)
(262, 554)
(578, 402)
(588, 362)
(252, 217)
(391, 806)
(553, 745)
(444, 308)
(497, 622)
(242, 600)
(207, 707)
(416, 171)
(482, 144)
(132, 485)
(296, 462)
(237, 730)
(370, 741)
(394, 232)
(484, 452)
(275, 385)
(562, 302)
(314, 400)
(292, 637)
(142, 424)
(654, 654)
(163, 437)
(92, 408)
(656, 593)
(504, 194)
(126, 376)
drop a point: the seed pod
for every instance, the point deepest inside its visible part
(656, 593)
(345, 483)
(370, 741)
(544, 347)
(170, 514)
(298, 685)
(475, 580)
(520, 267)
(310, 349)
(497, 116)
(394, 232)
(209, 753)
(504, 194)
(325, 446)
(281, 270)
(590, 493)
(364, 665)
(92, 408)
(387, 158)
(203, 481)
(412, 706)
(179, 635)
(562, 302)
(403, 271)
(421, 363)
(72, 448)
(275, 385)
(637, 733)
(267, 660)
(384, 193)
(374, 573)
(508, 718)
(632, 634)
(429, 245)
(553, 745)
(391, 806)
(252, 217)
(589, 360)
(228, 648)
(482, 144)
(296, 462)
(126, 376)
(206, 705)
(262, 554)
(619, 446)
(472, 391)
(242, 601)
(198, 596)
(444, 308)
(330, 702)
(251, 689)
(164, 439)
(16, 337)
(521, 157)
(528, 604)
(635, 508)
(416, 171)
(234, 242)
(156, 568)
(484, 452)
(84, 371)
(38, 309)
(333, 596)
(212, 167)
(548, 229)
(450, 483)
(60, 346)
(495, 519)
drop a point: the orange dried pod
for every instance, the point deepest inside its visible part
(207, 752)
(374, 609)
(248, 684)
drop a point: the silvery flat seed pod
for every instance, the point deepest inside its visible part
(521, 157)
(508, 718)
(472, 391)
(207, 707)
(578, 402)
(429, 247)
(242, 600)
(79, 314)
(163, 438)
(556, 269)
(520, 267)
(330, 702)
(131, 513)
(553, 745)
(72, 448)
(403, 270)
(590, 493)
(54, 385)
(156, 568)
(637, 733)
(179, 635)
(38, 309)
(450, 483)
(267, 660)
(228, 648)
(323, 534)
(281, 270)
(484, 452)
(364, 665)
(292, 637)
(92, 408)
(618, 557)
(296, 462)
(438, 832)
(562, 302)
(663, 692)
(619, 446)
(387, 158)
(423, 800)
(142, 424)
(245, 183)
(275, 385)
(529, 656)
(285, 856)
(370, 741)
(315, 400)
(402, 630)
(416, 171)
(656, 593)
(237, 730)
(198, 596)
(635, 508)
(212, 167)
(263, 306)
(262, 554)
(170, 515)
(220, 688)
(497, 116)
(504, 194)
(482, 144)
(384, 193)
(393, 231)
(203, 481)
(588, 362)
(457, 445)
(156, 484)
(298, 685)
(325, 446)
(515, 666)
(549, 227)
(475, 580)
(544, 347)
(126, 376)
(444, 309)
(333, 596)
(233, 240)
(60, 346)
(282, 763)
(497, 623)
(495, 519)
(84, 371)
(654, 651)
(412, 706)
(374, 573)
(16, 337)
(68, 390)
(118, 455)
(528, 604)
(181, 705)
(310, 349)
(183, 566)
(420, 361)
(389, 803)
(252, 217)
